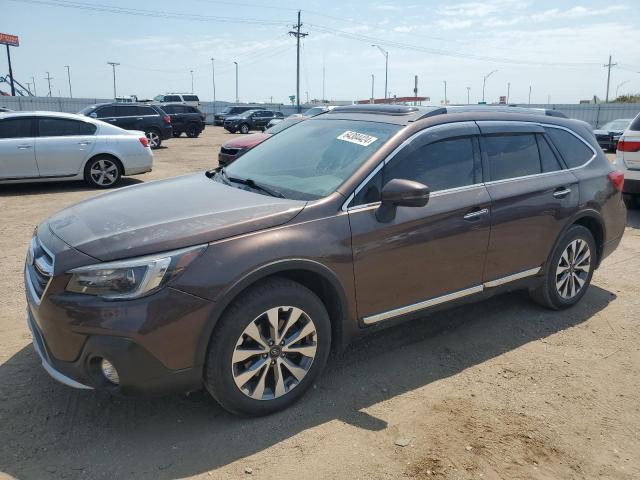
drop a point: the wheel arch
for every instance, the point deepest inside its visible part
(104, 154)
(315, 276)
(592, 220)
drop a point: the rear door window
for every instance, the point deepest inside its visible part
(573, 150)
(16, 128)
(512, 155)
(105, 112)
(172, 98)
(63, 127)
(145, 111)
(169, 108)
(126, 111)
(548, 159)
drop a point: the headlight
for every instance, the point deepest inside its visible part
(134, 278)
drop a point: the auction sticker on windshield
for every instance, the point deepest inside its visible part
(358, 138)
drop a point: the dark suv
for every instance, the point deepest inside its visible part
(250, 120)
(148, 118)
(184, 119)
(344, 223)
(218, 118)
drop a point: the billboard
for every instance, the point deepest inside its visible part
(11, 40)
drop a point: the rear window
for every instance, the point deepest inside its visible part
(63, 127)
(512, 156)
(573, 150)
(635, 124)
(190, 98)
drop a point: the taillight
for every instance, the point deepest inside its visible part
(628, 146)
(144, 141)
(617, 179)
(167, 119)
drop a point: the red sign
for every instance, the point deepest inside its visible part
(6, 39)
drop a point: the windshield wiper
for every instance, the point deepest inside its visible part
(248, 182)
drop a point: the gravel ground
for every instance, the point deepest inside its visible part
(499, 390)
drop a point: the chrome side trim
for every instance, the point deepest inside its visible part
(396, 312)
(512, 278)
(370, 320)
(55, 374)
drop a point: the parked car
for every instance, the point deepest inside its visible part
(610, 132)
(218, 118)
(50, 146)
(628, 161)
(346, 223)
(231, 150)
(312, 112)
(250, 120)
(4, 109)
(185, 119)
(151, 119)
(186, 98)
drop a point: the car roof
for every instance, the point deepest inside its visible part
(39, 113)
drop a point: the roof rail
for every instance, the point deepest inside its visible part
(503, 109)
(384, 109)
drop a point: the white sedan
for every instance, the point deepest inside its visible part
(46, 146)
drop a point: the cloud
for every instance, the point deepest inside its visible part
(576, 12)
(453, 24)
(405, 28)
(382, 6)
(481, 9)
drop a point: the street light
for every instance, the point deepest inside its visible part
(619, 85)
(468, 95)
(386, 67)
(69, 78)
(484, 82)
(114, 65)
(191, 80)
(237, 100)
(372, 82)
(213, 79)
(445, 93)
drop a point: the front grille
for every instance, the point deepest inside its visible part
(39, 268)
(229, 151)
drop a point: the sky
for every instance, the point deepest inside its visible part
(556, 47)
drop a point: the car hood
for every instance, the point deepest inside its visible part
(166, 215)
(248, 141)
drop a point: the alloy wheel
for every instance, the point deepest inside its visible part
(274, 353)
(104, 172)
(573, 269)
(153, 138)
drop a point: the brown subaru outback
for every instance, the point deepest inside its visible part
(243, 279)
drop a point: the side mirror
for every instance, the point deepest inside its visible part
(401, 193)
(93, 115)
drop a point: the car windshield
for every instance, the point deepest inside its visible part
(245, 114)
(617, 125)
(283, 125)
(311, 159)
(87, 110)
(312, 112)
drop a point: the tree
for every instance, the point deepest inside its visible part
(630, 98)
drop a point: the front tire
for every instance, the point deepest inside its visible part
(154, 138)
(268, 348)
(569, 271)
(244, 128)
(102, 172)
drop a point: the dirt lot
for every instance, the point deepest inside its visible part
(498, 390)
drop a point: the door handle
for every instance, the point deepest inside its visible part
(24, 147)
(139, 118)
(562, 192)
(476, 215)
(84, 144)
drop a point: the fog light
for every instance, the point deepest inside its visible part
(109, 371)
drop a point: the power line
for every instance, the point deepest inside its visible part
(95, 7)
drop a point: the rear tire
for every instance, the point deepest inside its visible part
(254, 369)
(176, 134)
(154, 138)
(569, 270)
(102, 171)
(192, 130)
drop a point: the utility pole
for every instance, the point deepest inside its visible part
(468, 95)
(445, 93)
(608, 67)
(33, 80)
(307, 95)
(237, 98)
(508, 91)
(48, 78)
(29, 87)
(323, 97)
(415, 89)
(296, 33)
(191, 80)
(213, 80)
(529, 94)
(69, 78)
(13, 86)
(484, 82)
(372, 83)
(386, 68)
(548, 99)
(113, 66)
